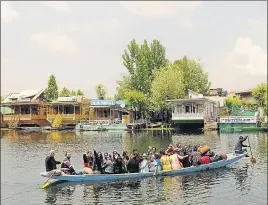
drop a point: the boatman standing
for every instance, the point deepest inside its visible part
(239, 145)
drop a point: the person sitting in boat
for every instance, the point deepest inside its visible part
(125, 162)
(133, 164)
(118, 164)
(165, 160)
(195, 157)
(51, 164)
(87, 158)
(66, 166)
(157, 163)
(152, 162)
(96, 162)
(239, 145)
(179, 149)
(88, 170)
(175, 161)
(108, 166)
(144, 165)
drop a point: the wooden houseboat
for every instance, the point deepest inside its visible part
(29, 109)
(106, 115)
(195, 112)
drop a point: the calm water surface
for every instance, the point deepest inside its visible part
(23, 154)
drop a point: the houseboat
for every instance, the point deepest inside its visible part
(106, 115)
(28, 109)
(196, 112)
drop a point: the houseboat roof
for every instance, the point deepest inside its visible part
(23, 96)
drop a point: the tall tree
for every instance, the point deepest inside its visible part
(73, 93)
(137, 100)
(141, 61)
(167, 84)
(194, 77)
(259, 93)
(80, 93)
(65, 92)
(101, 91)
(124, 85)
(51, 92)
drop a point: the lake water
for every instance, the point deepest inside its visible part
(23, 155)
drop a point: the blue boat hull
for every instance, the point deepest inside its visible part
(232, 158)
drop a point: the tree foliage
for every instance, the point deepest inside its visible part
(124, 85)
(101, 91)
(65, 92)
(260, 94)
(80, 93)
(194, 77)
(51, 92)
(167, 84)
(141, 61)
(137, 99)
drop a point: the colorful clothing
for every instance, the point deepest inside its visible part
(166, 163)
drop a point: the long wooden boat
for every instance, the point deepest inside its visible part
(231, 158)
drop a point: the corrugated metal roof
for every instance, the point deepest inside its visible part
(23, 94)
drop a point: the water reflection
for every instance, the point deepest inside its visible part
(64, 192)
(211, 187)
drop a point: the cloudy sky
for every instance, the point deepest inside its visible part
(81, 43)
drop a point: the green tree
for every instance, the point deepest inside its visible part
(80, 93)
(73, 93)
(167, 84)
(194, 77)
(65, 92)
(124, 85)
(101, 91)
(51, 92)
(141, 61)
(137, 100)
(260, 94)
(232, 106)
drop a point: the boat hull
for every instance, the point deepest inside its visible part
(104, 127)
(232, 158)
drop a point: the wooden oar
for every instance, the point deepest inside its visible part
(46, 182)
(251, 159)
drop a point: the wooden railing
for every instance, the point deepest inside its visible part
(187, 115)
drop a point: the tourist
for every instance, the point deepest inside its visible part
(195, 157)
(144, 165)
(152, 163)
(165, 160)
(175, 161)
(66, 166)
(108, 167)
(239, 145)
(157, 164)
(87, 158)
(118, 164)
(88, 170)
(133, 164)
(97, 160)
(51, 164)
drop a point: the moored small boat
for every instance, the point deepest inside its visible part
(231, 158)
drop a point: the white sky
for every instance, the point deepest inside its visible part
(81, 43)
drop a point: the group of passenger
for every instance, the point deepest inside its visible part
(173, 158)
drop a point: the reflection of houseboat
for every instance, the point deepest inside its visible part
(105, 115)
(29, 109)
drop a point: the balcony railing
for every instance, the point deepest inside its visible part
(186, 116)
